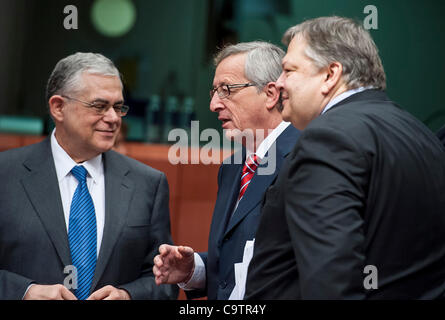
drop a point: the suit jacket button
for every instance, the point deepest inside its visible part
(223, 284)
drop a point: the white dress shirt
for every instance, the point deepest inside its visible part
(198, 279)
(68, 184)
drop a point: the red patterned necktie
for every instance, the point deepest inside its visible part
(248, 171)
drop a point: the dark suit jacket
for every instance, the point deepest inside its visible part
(364, 185)
(228, 235)
(33, 236)
(441, 135)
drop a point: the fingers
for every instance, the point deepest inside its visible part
(159, 271)
(49, 292)
(158, 261)
(173, 264)
(160, 280)
(109, 293)
(156, 270)
(66, 294)
(100, 294)
(169, 254)
(165, 249)
(178, 252)
(185, 251)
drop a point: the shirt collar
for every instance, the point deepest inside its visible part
(343, 96)
(269, 140)
(64, 163)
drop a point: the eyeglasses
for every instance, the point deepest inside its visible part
(224, 90)
(102, 107)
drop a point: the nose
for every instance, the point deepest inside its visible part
(111, 116)
(216, 103)
(280, 82)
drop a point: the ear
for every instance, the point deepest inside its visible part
(333, 77)
(56, 104)
(272, 95)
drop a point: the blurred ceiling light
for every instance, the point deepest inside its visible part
(113, 18)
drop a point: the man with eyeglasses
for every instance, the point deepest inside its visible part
(248, 104)
(78, 221)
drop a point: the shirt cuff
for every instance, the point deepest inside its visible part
(27, 290)
(198, 279)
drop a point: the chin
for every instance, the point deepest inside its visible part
(229, 134)
(104, 146)
(300, 125)
(285, 116)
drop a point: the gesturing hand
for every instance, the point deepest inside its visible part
(173, 264)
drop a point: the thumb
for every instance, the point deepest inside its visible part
(165, 249)
(186, 251)
(66, 294)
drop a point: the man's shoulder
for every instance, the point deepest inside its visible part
(16, 155)
(441, 135)
(358, 113)
(134, 165)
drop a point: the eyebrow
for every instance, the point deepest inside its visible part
(227, 80)
(222, 83)
(106, 101)
(288, 64)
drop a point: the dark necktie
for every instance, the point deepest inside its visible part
(82, 234)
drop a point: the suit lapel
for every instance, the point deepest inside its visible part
(260, 183)
(42, 189)
(118, 193)
(252, 197)
(227, 198)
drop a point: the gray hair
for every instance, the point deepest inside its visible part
(66, 76)
(263, 61)
(338, 39)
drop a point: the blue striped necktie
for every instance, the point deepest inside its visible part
(82, 234)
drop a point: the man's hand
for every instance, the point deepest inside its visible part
(109, 293)
(173, 264)
(49, 292)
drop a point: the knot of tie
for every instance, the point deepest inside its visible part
(80, 173)
(250, 165)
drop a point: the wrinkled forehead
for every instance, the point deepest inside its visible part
(296, 49)
(106, 87)
(230, 70)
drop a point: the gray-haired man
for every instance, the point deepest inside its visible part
(247, 102)
(358, 210)
(74, 215)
